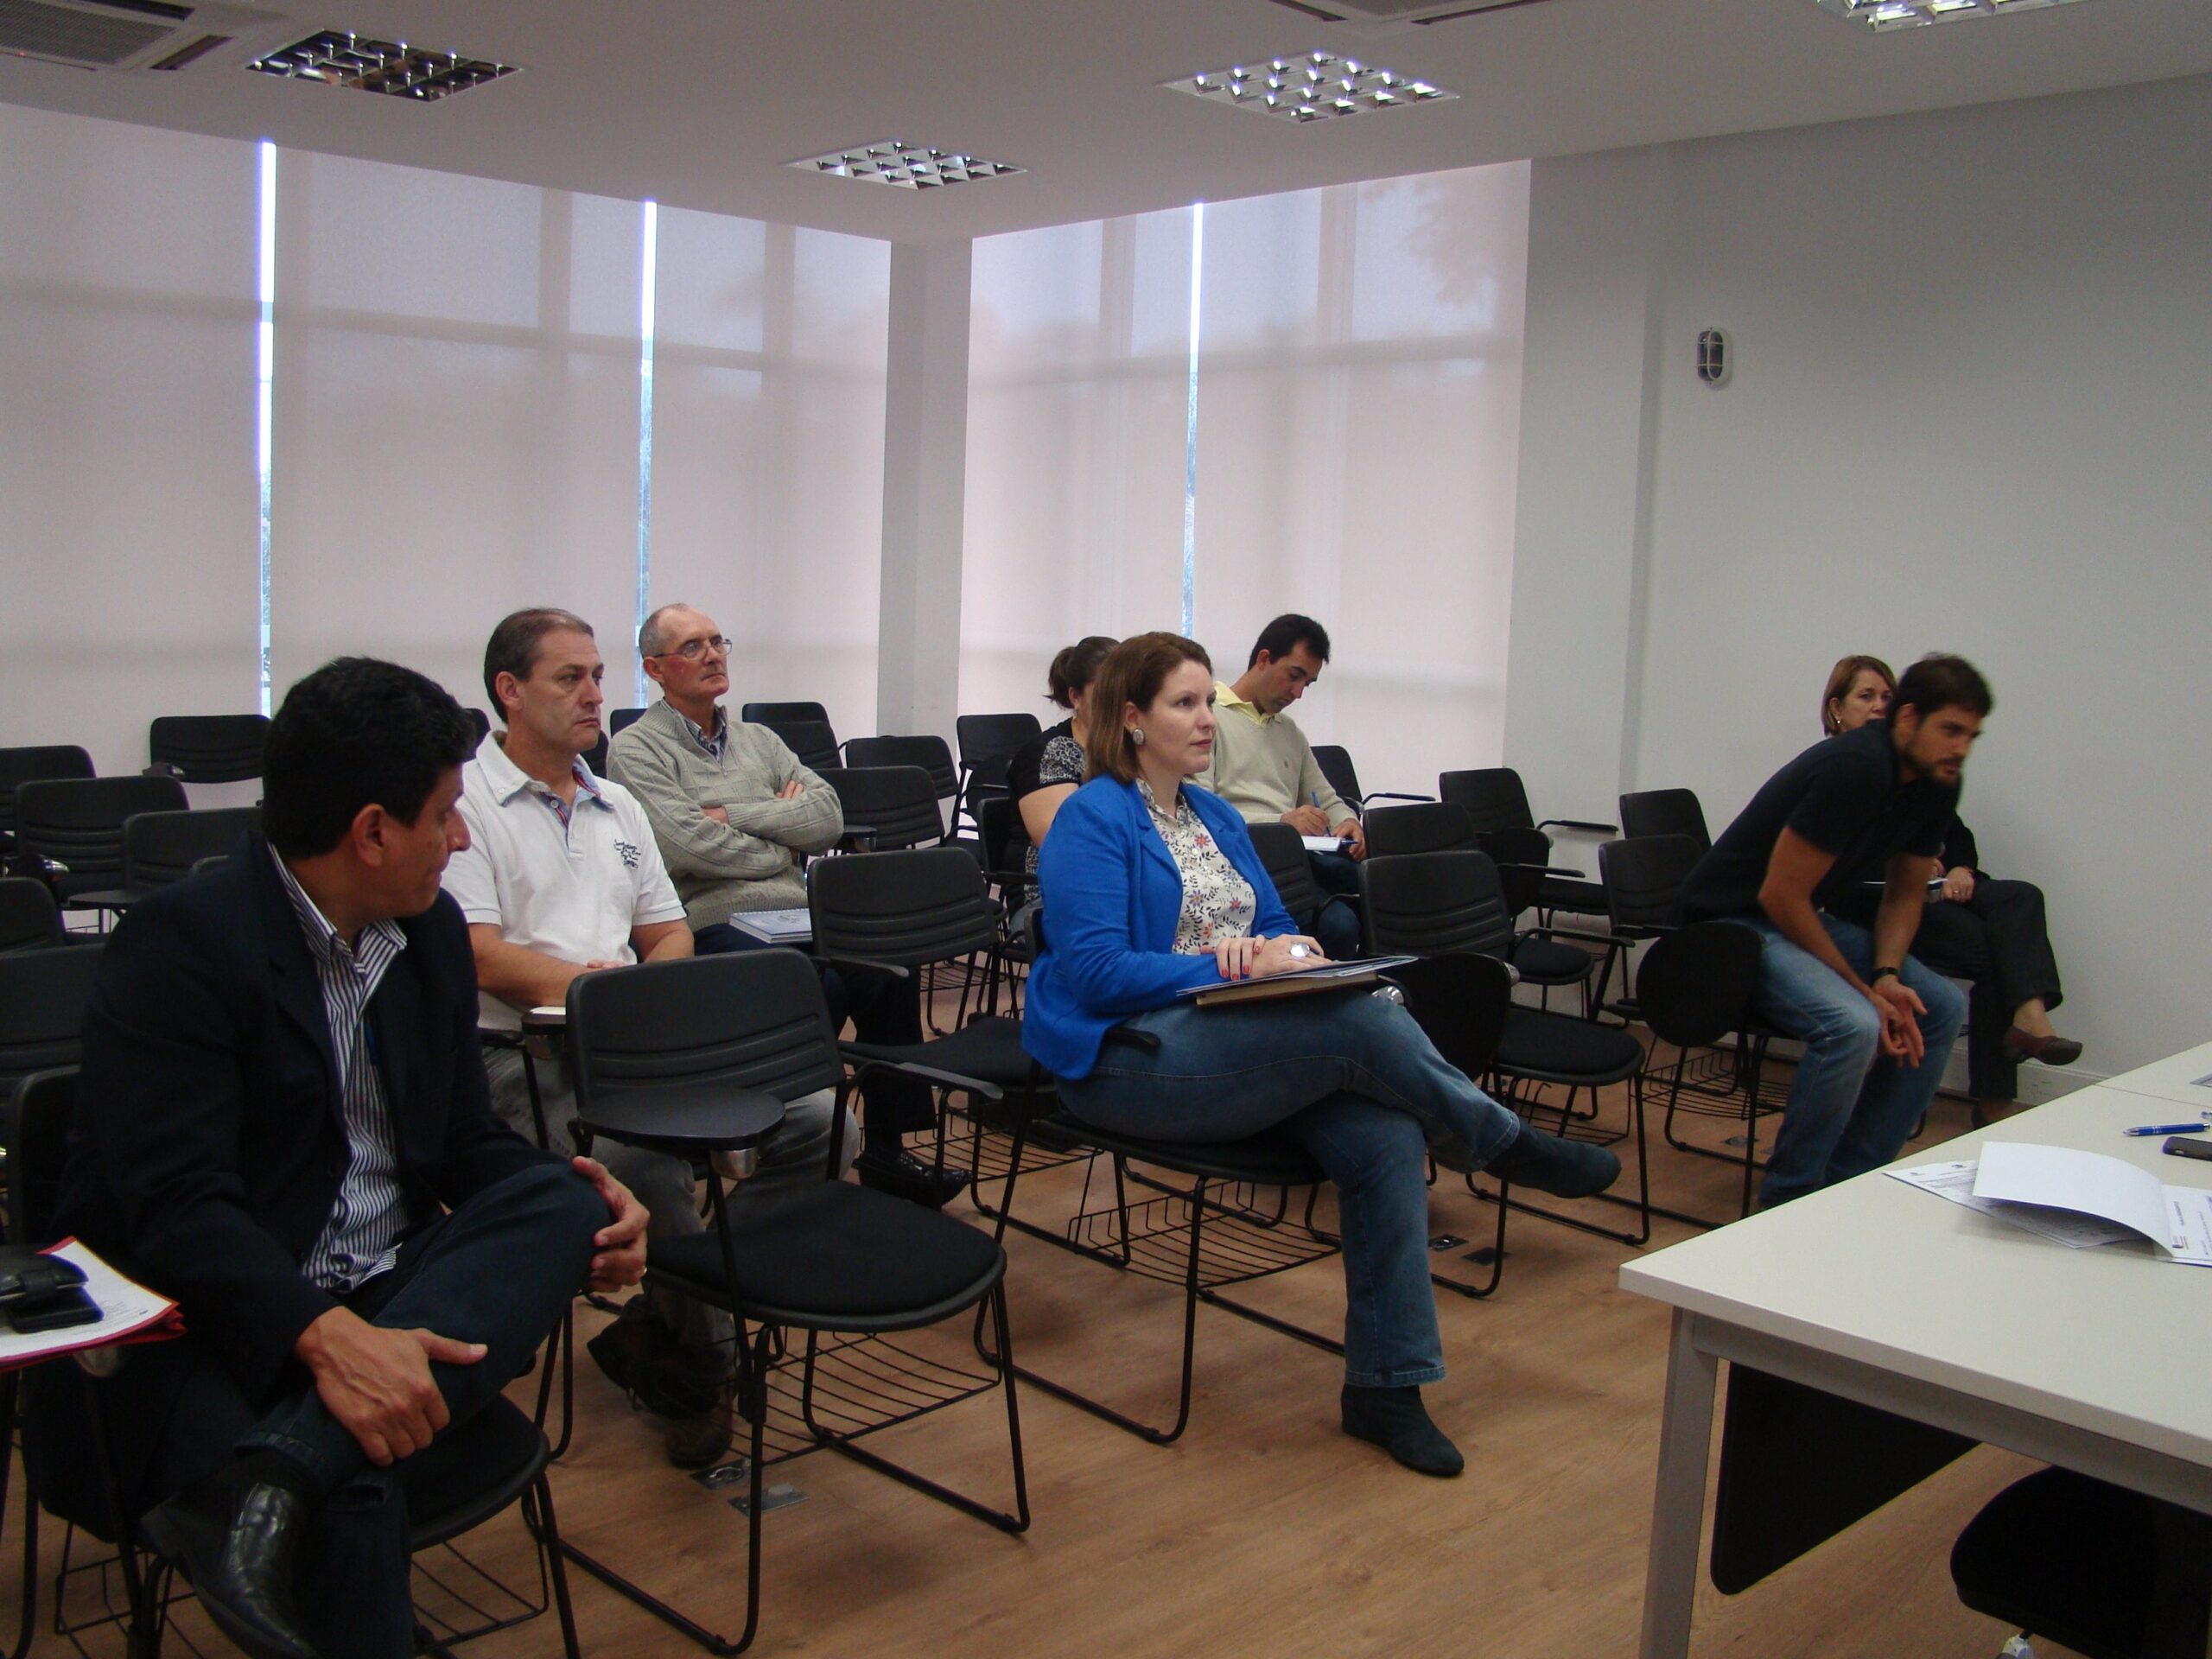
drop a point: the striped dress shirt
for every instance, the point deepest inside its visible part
(361, 1237)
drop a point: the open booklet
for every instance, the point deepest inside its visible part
(1300, 982)
(129, 1313)
(2075, 1198)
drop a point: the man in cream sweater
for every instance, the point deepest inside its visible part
(732, 809)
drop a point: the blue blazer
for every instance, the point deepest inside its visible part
(1112, 897)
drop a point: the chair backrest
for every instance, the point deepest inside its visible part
(159, 847)
(1427, 827)
(1644, 878)
(909, 908)
(988, 742)
(1283, 851)
(1695, 984)
(769, 713)
(596, 756)
(928, 751)
(78, 821)
(1665, 812)
(1492, 795)
(43, 994)
(28, 918)
(749, 1020)
(1461, 1001)
(619, 718)
(812, 741)
(39, 1114)
(996, 818)
(32, 763)
(1435, 903)
(896, 805)
(208, 748)
(1335, 761)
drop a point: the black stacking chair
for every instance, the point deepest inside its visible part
(1694, 992)
(886, 808)
(1283, 850)
(1438, 904)
(1496, 799)
(812, 740)
(987, 743)
(28, 918)
(29, 764)
(596, 756)
(207, 748)
(768, 714)
(1665, 812)
(1642, 877)
(159, 847)
(932, 753)
(1431, 827)
(43, 994)
(2100, 1570)
(1335, 761)
(77, 824)
(617, 719)
(701, 1056)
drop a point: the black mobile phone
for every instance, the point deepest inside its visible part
(55, 1311)
(2187, 1145)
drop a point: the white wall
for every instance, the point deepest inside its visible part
(1971, 412)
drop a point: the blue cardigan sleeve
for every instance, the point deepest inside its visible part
(1099, 927)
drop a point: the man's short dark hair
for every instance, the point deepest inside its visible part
(512, 648)
(356, 733)
(1938, 682)
(1285, 634)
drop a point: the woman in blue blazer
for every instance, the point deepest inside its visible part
(1151, 887)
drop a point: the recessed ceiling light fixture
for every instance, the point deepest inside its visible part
(1313, 87)
(335, 57)
(904, 166)
(1882, 15)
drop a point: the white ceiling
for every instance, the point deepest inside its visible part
(700, 103)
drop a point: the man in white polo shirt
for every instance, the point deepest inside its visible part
(562, 877)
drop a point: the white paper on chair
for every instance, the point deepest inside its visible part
(2177, 1219)
(1955, 1181)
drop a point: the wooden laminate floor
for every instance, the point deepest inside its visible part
(1265, 1530)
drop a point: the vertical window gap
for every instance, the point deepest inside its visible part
(648, 275)
(264, 381)
(1191, 431)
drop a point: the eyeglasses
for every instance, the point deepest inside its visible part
(692, 650)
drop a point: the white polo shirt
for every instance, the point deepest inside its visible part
(570, 881)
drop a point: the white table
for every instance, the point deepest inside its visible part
(2172, 1080)
(2095, 1359)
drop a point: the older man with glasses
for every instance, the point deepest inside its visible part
(733, 811)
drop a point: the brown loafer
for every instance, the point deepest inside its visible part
(2053, 1050)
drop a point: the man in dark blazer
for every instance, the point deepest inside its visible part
(283, 1124)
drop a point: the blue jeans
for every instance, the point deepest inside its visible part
(1852, 1107)
(1355, 1082)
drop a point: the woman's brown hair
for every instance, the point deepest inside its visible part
(1133, 672)
(1847, 670)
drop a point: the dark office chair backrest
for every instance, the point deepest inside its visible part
(1461, 1001)
(78, 822)
(1643, 878)
(893, 806)
(35, 763)
(207, 748)
(39, 1113)
(619, 718)
(770, 714)
(812, 741)
(988, 742)
(909, 908)
(748, 1020)
(1427, 827)
(1335, 761)
(1493, 795)
(43, 996)
(1435, 903)
(929, 751)
(1665, 812)
(159, 847)
(1695, 984)
(596, 756)
(1283, 851)
(28, 919)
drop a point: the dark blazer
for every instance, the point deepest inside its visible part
(209, 1147)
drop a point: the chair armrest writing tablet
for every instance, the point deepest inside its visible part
(864, 963)
(864, 1064)
(1583, 824)
(686, 1117)
(547, 1016)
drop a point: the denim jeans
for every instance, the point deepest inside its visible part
(1852, 1107)
(1355, 1082)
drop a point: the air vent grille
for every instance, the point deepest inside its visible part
(30, 29)
(1383, 13)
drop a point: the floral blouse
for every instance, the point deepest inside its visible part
(1217, 903)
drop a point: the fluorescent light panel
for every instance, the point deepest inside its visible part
(1882, 15)
(1315, 86)
(905, 166)
(335, 57)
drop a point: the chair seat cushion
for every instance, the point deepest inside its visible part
(1270, 1159)
(1560, 1048)
(989, 1049)
(834, 1256)
(472, 1472)
(1547, 962)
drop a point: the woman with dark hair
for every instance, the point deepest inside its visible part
(1045, 769)
(1975, 926)
(1150, 888)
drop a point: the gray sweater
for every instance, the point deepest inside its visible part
(748, 863)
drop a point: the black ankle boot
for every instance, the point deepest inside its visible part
(1566, 1169)
(1395, 1420)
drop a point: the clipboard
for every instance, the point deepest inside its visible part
(1300, 982)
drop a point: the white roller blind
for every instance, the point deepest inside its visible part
(455, 417)
(130, 541)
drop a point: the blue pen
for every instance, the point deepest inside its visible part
(2167, 1128)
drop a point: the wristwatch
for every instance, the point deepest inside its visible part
(1879, 975)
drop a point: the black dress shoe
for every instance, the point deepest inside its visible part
(1566, 1169)
(1395, 1420)
(237, 1549)
(905, 1176)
